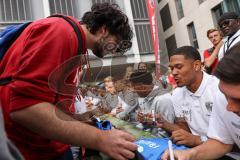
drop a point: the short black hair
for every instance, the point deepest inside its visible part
(113, 18)
(228, 69)
(188, 52)
(141, 77)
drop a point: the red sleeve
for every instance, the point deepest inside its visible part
(46, 46)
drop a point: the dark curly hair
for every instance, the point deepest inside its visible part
(113, 18)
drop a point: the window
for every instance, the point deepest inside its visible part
(231, 6)
(179, 8)
(201, 1)
(171, 44)
(139, 9)
(67, 7)
(166, 17)
(144, 38)
(15, 10)
(225, 6)
(217, 12)
(103, 1)
(142, 26)
(192, 35)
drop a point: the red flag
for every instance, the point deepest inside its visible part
(151, 6)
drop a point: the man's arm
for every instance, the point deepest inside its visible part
(181, 133)
(211, 149)
(182, 137)
(48, 121)
(210, 60)
(179, 123)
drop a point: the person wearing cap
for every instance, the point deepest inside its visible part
(151, 99)
(224, 126)
(229, 24)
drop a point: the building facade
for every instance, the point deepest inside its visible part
(180, 22)
(19, 11)
(185, 22)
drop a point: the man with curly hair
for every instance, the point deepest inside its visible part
(41, 64)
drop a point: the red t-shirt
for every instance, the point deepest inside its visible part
(44, 45)
(206, 54)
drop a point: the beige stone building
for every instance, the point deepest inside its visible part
(185, 22)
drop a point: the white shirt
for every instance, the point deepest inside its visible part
(196, 107)
(228, 44)
(224, 126)
(145, 103)
(163, 105)
(160, 104)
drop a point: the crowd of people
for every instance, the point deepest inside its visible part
(196, 105)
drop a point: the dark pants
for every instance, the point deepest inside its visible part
(67, 155)
(225, 158)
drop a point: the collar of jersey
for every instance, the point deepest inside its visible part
(201, 88)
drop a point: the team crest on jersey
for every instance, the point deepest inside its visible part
(209, 106)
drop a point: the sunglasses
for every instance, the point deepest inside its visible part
(226, 22)
(119, 48)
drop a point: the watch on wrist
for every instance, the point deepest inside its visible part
(203, 139)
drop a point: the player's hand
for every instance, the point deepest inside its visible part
(117, 144)
(119, 110)
(179, 155)
(182, 137)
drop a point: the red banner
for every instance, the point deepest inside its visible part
(151, 6)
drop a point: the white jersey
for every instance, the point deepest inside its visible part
(196, 108)
(224, 125)
(229, 43)
(163, 105)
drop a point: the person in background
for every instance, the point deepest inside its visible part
(211, 55)
(170, 79)
(111, 96)
(127, 98)
(129, 71)
(151, 98)
(142, 67)
(229, 24)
